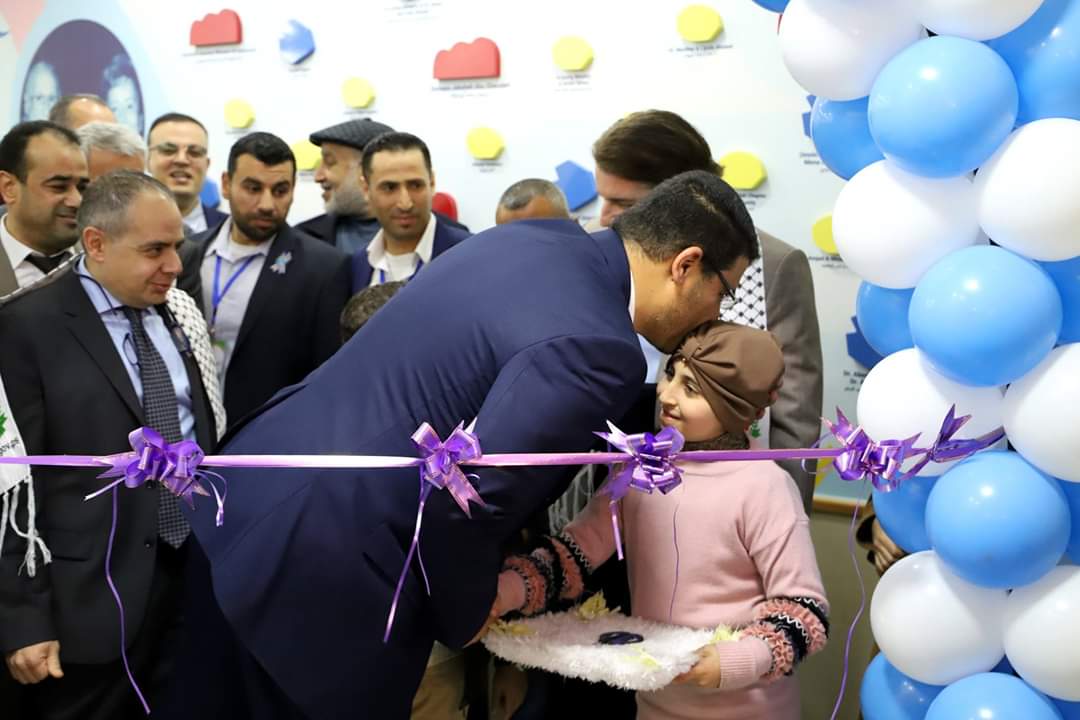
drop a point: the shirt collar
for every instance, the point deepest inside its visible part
(223, 245)
(102, 300)
(196, 218)
(377, 247)
(631, 307)
(15, 249)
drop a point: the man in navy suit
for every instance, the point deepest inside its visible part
(529, 328)
(399, 184)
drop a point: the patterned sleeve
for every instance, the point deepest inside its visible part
(552, 573)
(793, 628)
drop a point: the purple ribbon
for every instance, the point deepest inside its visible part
(650, 465)
(881, 462)
(439, 470)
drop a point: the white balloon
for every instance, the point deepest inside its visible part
(1041, 414)
(835, 48)
(1042, 633)
(903, 395)
(974, 19)
(1027, 191)
(933, 626)
(891, 226)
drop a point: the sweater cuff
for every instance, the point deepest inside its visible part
(743, 662)
(511, 596)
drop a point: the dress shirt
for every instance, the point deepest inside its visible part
(26, 273)
(399, 267)
(195, 221)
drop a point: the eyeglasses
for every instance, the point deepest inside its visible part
(195, 152)
(729, 292)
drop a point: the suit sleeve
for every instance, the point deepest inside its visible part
(550, 397)
(796, 417)
(332, 298)
(25, 602)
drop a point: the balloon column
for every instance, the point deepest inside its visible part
(956, 120)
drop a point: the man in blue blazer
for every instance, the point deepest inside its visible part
(399, 184)
(530, 329)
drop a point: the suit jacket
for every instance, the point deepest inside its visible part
(795, 418)
(214, 217)
(72, 395)
(526, 328)
(446, 237)
(8, 282)
(291, 323)
(324, 227)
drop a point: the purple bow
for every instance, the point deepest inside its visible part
(650, 466)
(176, 466)
(881, 462)
(442, 459)
(440, 470)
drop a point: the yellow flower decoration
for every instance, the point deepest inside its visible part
(595, 607)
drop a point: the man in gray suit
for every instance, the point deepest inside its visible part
(644, 149)
(42, 174)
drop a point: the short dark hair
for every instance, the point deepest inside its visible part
(394, 142)
(59, 112)
(105, 202)
(13, 145)
(174, 117)
(692, 209)
(265, 147)
(364, 304)
(651, 146)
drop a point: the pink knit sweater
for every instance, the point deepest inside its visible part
(745, 560)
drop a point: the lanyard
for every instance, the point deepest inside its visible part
(218, 293)
(382, 273)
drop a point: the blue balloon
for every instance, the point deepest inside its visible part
(774, 5)
(1069, 710)
(883, 317)
(841, 134)
(991, 695)
(997, 521)
(1072, 496)
(1042, 54)
(1066, 276)
(888, 694)
(985, 316)
(902, 513)
(942, 106)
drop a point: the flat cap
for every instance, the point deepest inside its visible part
(353, 133)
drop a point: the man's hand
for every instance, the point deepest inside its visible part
(32, 664)
(509, 687)
(886, 553)
(706, 673)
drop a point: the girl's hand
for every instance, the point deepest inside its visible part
(706, 673)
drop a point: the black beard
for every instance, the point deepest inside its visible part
(257, 234)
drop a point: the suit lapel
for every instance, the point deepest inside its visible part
(267, 285)
(8, 283)
(89, 330)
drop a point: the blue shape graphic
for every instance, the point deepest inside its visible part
(5, 33)
(859, 350)
(296, 43)
(210, 196)
(806, 116)
(577, 184)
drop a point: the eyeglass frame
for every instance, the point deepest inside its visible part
(199, 154)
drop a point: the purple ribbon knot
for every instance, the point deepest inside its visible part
(650, 466)
(442, 460)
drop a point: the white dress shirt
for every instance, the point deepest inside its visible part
(195, 221)
(26, 273)
(389, 268)
(242, 262)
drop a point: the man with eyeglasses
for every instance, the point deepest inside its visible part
(179, 158)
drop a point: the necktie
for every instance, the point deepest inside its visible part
(48, 264)
(163, 415)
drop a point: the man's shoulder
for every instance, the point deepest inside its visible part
(316, 252)
(317, 227)
(41, 298)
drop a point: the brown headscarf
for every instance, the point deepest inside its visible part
(736, 368)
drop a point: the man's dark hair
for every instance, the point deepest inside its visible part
(394, 142)
(174, 117)
(106, 201)
(693, 208)
(364, 304)
(266, 148)
(651, 146)
(13, 145)
(59, 112)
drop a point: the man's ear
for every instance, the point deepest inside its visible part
(225, 185)
(9, 188)
(684, 263)
(93, 241)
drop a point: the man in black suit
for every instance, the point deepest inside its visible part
(86, 359)
(272, 296)
(180, 158)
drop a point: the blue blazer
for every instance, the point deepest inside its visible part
(214, 217)
(525, 328)
(446, 237)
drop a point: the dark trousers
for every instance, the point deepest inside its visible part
(103, 692)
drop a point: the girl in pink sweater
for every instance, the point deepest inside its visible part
(745, 558)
